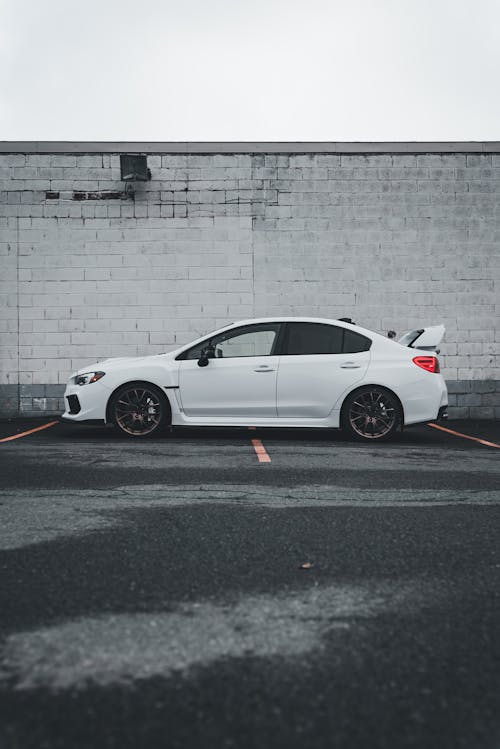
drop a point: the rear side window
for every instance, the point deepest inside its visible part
(319, 338)
(355, 342)
(313, 338)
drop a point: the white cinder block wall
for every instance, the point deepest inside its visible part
(394, 240)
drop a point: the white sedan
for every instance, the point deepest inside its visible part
(284, 372)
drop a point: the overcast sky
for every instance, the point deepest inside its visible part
(167, 70)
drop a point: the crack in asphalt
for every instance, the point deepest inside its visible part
(30, 517)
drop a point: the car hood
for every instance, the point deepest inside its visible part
(114, 363)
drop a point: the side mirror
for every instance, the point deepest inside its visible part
(206, 354)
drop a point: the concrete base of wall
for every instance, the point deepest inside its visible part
(9, 400)
(468, 399)
(474, 399)
(31, 400)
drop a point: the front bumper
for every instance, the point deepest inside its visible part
(85, 402)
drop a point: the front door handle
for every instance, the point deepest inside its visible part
(264, 369)
(350, 365)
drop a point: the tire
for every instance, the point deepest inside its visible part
(139, 409)
(371, 413)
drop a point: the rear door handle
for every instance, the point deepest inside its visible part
(350, 365)
(264, 369)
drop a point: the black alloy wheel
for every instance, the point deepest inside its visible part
(371, 413)
(139, 410)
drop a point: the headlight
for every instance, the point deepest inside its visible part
(87, 378)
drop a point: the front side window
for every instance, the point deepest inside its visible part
(255, 340)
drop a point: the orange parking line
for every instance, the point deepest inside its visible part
(464, 436)
(30, 431)
(261, 451)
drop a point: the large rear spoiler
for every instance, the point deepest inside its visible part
(427, 339)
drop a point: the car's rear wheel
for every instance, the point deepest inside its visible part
(371, 413)
(139, 410)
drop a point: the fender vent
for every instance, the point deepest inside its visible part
(73, 403)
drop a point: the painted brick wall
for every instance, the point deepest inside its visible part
(393, 240)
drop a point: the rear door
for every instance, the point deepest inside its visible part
(318, 363)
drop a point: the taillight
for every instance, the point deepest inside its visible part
(430, 363)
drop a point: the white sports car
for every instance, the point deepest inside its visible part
(285, 372)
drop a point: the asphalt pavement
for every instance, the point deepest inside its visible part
(249, 588)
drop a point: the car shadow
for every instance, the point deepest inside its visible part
(417, 435)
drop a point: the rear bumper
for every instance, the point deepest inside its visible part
(424, 399)
(443, 413)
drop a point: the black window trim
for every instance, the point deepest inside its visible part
(270, 323)
(285, 337)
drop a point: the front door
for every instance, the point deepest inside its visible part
(240, 378)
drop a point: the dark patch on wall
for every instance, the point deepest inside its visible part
(104, 195)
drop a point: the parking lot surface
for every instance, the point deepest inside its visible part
(249, 588)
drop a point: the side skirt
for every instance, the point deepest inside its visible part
(331, 422)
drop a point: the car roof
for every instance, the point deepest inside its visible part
(283, 318)
(280, 319)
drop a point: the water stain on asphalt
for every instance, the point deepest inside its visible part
(124, 648)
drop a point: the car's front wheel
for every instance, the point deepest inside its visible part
(371, 413)
(139, 410)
